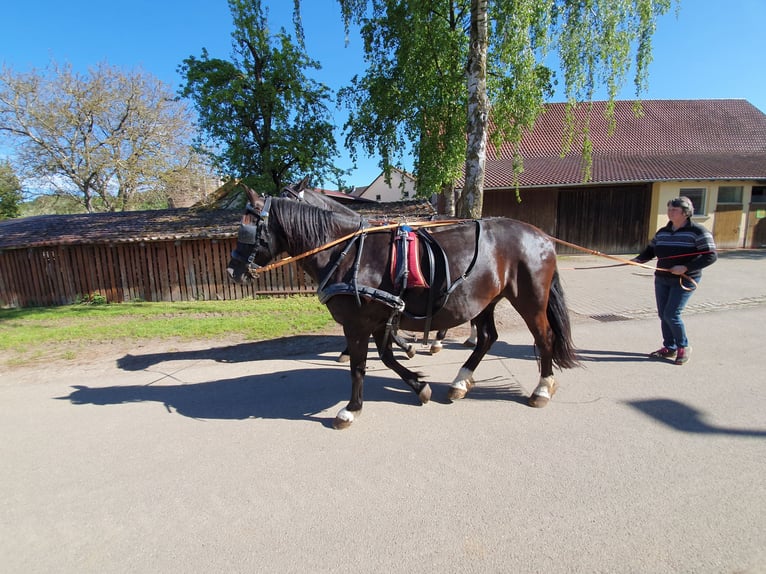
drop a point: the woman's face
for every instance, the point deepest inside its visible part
(676, 215)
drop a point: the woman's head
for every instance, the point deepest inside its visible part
(684, 203)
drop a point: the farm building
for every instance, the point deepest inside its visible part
(713, 151)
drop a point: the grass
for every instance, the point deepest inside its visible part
(33, 334)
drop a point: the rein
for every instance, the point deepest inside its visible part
(353, 235)
(681, 277)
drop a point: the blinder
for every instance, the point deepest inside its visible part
(249, 233)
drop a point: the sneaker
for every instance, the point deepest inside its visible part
(663, 353)
(683, 355)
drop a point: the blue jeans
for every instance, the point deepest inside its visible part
(671, 300)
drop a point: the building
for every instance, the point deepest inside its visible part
(400, 188)
(713, 151)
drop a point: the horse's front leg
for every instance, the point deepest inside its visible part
(413, 379)
(356, 345)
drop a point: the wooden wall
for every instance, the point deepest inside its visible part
(610, 219)
(188, 270)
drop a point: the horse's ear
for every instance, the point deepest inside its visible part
(304, 183)
(252, 197)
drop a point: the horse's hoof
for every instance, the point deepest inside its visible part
(425, 394)
(344, 358)
(436, 347)
(344, 419)
(411, 351)
(538, 402)
(459, 389)
(543, 393)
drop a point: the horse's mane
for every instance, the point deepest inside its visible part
(306, 226)
(319, 199)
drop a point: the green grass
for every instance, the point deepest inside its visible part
(33, 332)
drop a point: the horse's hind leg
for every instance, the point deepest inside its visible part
(537, 322)
(486, 335)
(408, 348)
(413, 380)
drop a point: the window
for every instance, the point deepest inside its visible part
(759, 194)
(377, 197)
(405, 194)
(730, 194)
(698, 196)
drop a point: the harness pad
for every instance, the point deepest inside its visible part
(405, 260)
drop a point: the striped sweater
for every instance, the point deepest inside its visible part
(691, 245)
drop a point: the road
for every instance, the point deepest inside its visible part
(221, 458)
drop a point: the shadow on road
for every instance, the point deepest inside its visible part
(682, 418)
(294, 395)
(240, 353)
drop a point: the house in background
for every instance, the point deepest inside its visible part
(400, 188)
(713, 151)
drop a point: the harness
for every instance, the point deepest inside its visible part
(439, 278)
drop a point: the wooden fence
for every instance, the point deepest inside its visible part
(180, 270)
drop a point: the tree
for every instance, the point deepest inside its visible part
(103, 138)
(267, 120)
(505, 70)
(10, 192)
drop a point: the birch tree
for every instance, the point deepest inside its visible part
(516, 51)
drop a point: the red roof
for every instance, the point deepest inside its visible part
(671, 140)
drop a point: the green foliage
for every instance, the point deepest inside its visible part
(267, 120)
(92, 299)
(415, 90)
(10, 192)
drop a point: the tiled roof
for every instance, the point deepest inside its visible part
(121, 227)
(671, 140)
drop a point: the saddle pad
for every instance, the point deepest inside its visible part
(409, 241)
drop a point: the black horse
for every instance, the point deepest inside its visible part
(484, 261)
(300, 192)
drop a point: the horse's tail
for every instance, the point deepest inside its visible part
(564, 351)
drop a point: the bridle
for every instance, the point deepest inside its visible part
(251, 234)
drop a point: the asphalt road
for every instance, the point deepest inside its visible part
(222, 458)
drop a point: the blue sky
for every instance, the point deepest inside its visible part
(709, 50)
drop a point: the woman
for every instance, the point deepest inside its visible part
(682, 247)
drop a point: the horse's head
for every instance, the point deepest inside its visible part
(255, 244)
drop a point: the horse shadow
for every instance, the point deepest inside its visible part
(240, 353)
(683, 418)
(299, 395)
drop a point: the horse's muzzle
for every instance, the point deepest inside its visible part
(238, 272)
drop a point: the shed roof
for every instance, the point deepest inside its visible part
(670, 140)
(158, 225)
(118, 227)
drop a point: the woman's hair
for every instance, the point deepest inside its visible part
(684, 203)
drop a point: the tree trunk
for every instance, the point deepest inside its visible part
(471, 198)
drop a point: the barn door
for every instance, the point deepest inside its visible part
(607, 219)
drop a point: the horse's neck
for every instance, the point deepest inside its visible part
(308, 227)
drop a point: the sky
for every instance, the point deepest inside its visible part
(708, 49)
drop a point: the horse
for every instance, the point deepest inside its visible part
(301, 192)
(495, 258)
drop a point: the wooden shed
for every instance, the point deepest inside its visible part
(159, 255)
(163, 255)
